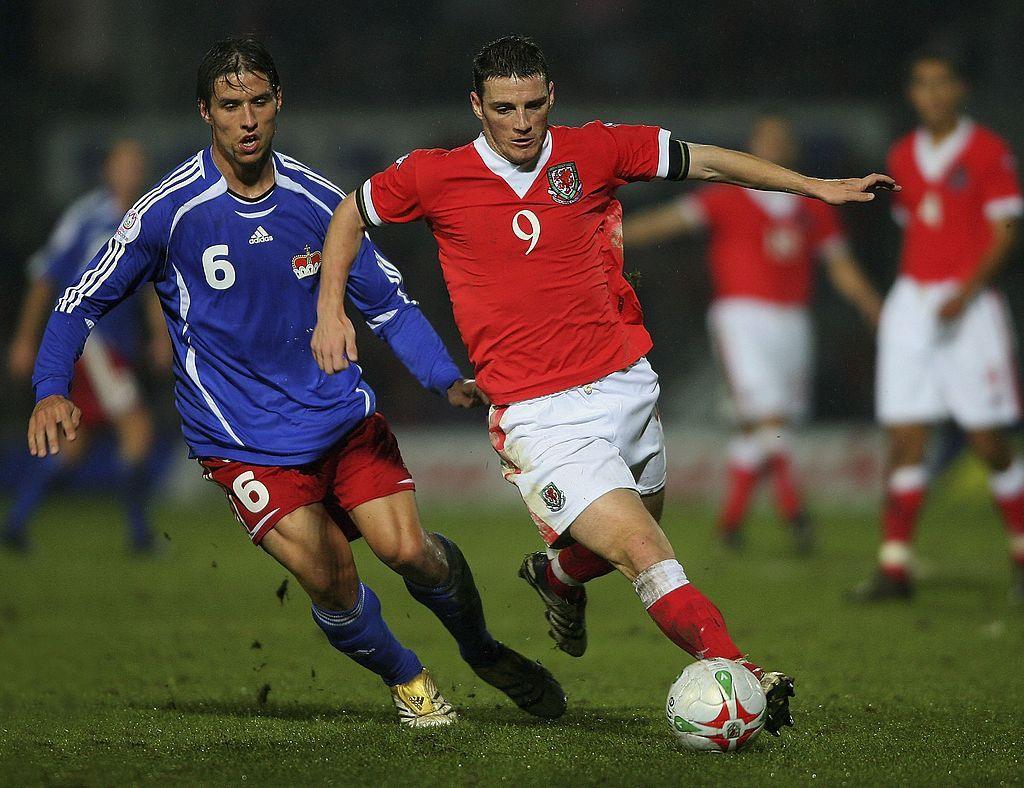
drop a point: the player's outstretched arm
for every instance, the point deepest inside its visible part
(52, 416)
(334, 338)
(711, 163)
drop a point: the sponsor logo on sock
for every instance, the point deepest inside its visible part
(260, 236)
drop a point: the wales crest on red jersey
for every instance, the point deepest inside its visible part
(306, 264)
(564, 184)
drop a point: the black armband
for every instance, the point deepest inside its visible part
(361, 206)
(678, 160)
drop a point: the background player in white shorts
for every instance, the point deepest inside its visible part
(945, 343)
(762, 250)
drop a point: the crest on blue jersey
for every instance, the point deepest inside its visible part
(564, 184)
(307, 264)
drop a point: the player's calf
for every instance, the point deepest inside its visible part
(456, 603)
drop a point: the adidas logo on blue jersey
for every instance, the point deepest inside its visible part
(260, 236)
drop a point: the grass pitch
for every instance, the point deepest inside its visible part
(188, 669)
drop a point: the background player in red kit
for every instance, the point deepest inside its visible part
(762, 250)
(945, 344)
(528, 233)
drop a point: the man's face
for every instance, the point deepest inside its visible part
(514, 114)
(243, 115)
(772, 139)
(935, 92)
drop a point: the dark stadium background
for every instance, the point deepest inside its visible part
(363, 83)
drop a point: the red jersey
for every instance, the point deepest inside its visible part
(952, 192)
(532, 258)
(763, 244)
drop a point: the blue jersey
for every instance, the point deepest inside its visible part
(81, 231)
(238, 281)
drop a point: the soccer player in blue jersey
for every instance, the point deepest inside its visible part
(231, 241)
(105, 385)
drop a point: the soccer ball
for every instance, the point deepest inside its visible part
(717, 705)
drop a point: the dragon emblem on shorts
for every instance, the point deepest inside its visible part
(564, 183)
(553, 498)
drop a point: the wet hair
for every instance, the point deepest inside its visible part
(948, 56)
(509, 56)
(229, 57)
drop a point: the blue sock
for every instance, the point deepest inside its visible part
(38, 477)
(456, 602)
(360, 633)
(134, 493)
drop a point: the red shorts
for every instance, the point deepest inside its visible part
(104, 386)
(366, 464)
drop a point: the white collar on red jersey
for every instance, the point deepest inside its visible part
(934, 159)
(778, 205)
(519, 179)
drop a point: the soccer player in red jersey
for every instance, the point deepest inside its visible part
(945, 344)
(529, 236)
(762, 250)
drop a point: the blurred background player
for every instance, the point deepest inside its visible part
(105, 385)
(762, 247)
(945, 342)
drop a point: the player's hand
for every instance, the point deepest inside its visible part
(955, 306)
(334, 342)
(51, 416)
(844, 190)
(465, 393)
(21, 357)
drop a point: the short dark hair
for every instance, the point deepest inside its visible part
(230, 57)
(509, 56)
(950, 57)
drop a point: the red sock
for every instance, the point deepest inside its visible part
(742, 481)
(899, 517)
(1008, 489)
(580, 564)
(564, 590)
(787, 494)
(692, 622)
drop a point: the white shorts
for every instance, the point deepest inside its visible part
(929, 370)
(766, 351)
(565, 450)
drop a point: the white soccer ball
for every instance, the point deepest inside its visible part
(717, 705)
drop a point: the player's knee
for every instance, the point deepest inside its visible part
(407, 551)
(330, 585)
